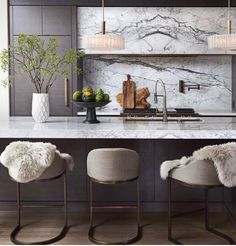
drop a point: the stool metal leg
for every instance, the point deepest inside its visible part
(206, 216)
(170, 217)
(18, 228)
(208, 228)
(65, 201)
(91, 202)
(93, 228)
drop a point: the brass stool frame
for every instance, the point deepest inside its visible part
(206, 215)
(92, 228)
(20, 205)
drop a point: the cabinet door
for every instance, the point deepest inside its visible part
(60, 102)
(23, 88)
(57, 20)
(27, 19)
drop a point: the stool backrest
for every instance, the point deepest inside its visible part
(113, 164)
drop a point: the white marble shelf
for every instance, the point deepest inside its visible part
(117, 128)
(203, 113)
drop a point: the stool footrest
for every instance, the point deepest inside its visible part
(115, 207)
(187, 213)
(41, 206)
(48, 241)
(134, 239)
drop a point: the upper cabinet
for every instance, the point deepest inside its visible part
(45, 21)
(42, 20)
(27, 19)
(56, 20)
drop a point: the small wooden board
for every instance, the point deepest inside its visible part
(128, 93)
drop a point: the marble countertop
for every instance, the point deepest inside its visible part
(117, 128)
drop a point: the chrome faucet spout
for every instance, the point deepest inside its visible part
(165, 118)
(155, 93)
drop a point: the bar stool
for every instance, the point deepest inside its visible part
(112, 166)
(55, 171)
(197, 174)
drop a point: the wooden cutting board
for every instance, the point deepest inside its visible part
(128, 93)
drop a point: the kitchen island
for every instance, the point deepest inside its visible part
(154, 141)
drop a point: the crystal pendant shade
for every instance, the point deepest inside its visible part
(105, 42)
(222, 42)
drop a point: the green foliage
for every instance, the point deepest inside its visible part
(39, 60)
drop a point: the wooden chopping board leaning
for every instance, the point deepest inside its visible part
(128, 93)
(131, 97)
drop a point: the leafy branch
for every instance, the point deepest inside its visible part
(39, 60)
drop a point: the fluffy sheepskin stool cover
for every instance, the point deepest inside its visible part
(197, 173)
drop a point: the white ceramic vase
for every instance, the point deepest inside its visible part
(40, 107)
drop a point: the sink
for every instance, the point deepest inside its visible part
(170, 119)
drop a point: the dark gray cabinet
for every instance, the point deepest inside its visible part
(27, 19)
(23, 89)
(46, 21)
(57, 20)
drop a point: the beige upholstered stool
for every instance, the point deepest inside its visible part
(113, 166)
(55, 171)
(197, 174)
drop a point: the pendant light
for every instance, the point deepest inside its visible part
(104, 41)
(224, 41)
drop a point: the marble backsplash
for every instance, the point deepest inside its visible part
(213, 73)
(157, 30)
(149, 30)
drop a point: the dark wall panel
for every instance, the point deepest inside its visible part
(27, 19)
(57, 20)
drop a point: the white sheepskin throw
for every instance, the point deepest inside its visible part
(26, 161)
(223, 156)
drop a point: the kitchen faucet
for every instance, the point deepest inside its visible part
(164, 113)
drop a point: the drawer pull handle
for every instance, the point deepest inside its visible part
(66, 90)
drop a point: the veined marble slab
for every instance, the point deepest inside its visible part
(116, 128)
(149, 30)
(212, 73)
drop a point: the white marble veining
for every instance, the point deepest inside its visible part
(117, 128)
(212, 73)
(157, 30)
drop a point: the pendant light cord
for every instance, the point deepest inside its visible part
(103, 18)
(229, 18)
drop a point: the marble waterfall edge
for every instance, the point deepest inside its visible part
(212, 73)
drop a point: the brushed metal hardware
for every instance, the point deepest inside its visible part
(189, 86)
(164, 113)
(66, 91)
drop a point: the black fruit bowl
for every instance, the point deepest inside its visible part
(91, 110)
